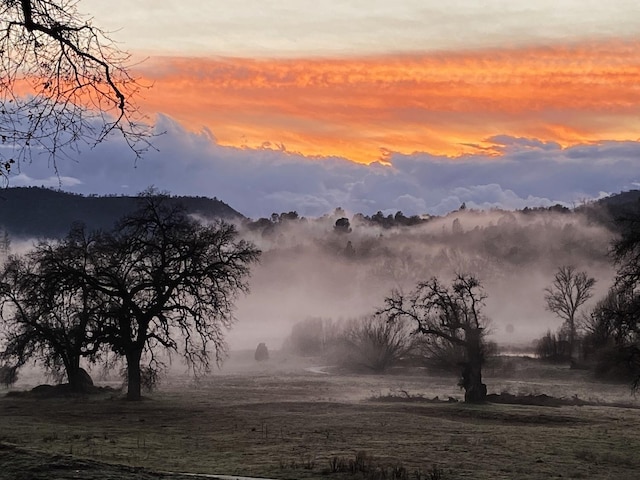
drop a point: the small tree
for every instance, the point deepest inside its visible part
(342, 225)
(569, 291)
(450, 314)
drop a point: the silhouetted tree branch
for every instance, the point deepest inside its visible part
(62, 81)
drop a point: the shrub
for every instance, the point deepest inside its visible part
(262, 353)
(373, 343)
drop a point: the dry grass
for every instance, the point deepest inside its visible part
(280, 421)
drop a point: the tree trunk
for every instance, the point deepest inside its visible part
(133, 375)
(474, 390)
(572, 336)
(75, 375)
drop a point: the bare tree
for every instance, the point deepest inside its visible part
(569, 291)
(626, 252)
(171, 284)
(49, 316)
(450, 314)
(62, 82)
(611, 322)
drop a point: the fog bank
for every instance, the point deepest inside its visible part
(309, 269)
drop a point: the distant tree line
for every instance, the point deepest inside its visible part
(505, 238)
(603, 211)
(449, 328)
(342, 222)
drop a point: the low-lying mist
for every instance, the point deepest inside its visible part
(310, 268)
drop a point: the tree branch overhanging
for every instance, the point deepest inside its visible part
(63, 82)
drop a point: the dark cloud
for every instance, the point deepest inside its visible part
(257, 182)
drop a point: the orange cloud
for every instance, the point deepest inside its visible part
(441, 103)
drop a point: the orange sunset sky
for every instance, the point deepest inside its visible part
(363, 79)
(362, 107)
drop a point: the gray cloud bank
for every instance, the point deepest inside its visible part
(528, 172)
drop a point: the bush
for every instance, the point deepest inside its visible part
(437, 354)
(372, 343)
(262, 353)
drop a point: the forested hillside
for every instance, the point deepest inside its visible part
(42, 212)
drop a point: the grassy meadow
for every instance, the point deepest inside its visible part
(280, 420)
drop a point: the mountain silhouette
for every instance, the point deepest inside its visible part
(41, 212)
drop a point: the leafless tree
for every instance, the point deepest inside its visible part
(169, 283)
(63, 82)
(611, 322)
(49, 316)
(450, 314)
(158, 280)
(569, 291)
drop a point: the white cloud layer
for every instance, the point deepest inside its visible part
(259, 182)
(337, 27)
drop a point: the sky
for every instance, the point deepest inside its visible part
(411, 105)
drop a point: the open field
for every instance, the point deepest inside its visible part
(278, 420)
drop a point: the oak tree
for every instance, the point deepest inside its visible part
(50, 316)
(450, 314)
(171, 283)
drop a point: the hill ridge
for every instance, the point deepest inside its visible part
(45, 212)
